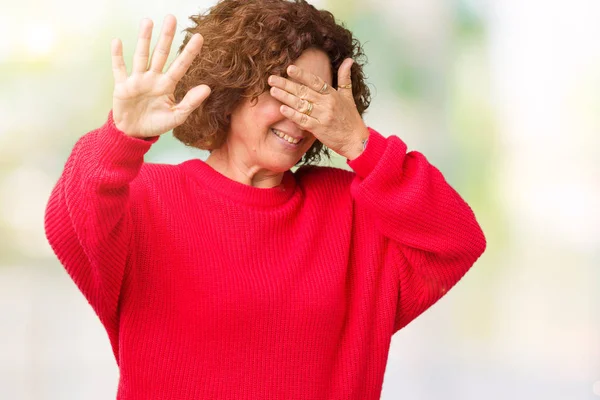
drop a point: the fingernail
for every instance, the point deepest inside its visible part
(292, 69)
(271, 79)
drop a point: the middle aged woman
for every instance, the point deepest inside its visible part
(235, 278)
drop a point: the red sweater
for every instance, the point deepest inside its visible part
(212, 289)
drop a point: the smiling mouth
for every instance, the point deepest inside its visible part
(286, 138)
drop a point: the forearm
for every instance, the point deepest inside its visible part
(87, 217)
(411, 202)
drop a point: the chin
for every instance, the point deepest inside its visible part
(279, 167)
(281, 162)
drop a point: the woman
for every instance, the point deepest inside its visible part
(235, 278)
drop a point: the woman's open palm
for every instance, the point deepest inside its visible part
(143, 103)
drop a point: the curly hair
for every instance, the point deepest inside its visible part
(246, 41)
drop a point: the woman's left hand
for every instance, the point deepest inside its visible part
(333, 119)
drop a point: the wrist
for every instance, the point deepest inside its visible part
(358, 145)
(125, 131)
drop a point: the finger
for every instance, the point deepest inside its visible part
(290, 100)
(142, 49)
(299, 90)
(118, 63)
(301, 119)
(345, 76)
(192, 100)
(163, 47)
(181, 64)
(312, 81)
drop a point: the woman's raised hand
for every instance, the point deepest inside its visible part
(143, 103)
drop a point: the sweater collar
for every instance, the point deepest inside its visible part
(239, 192)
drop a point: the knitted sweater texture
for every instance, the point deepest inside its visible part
(212, 289)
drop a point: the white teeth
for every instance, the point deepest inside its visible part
(286, 137)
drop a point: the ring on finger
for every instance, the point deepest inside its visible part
(324, 88)
(309, 108)
(348, 86)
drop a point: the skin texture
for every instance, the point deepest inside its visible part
(143, 102)
(144, 106)
(335, 120)
(253, 155)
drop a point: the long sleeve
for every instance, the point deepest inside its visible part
(87, 218)
(434, 236)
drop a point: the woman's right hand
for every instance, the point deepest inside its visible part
(143, 103)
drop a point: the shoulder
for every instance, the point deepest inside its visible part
(156, 177)
(322, 178)
(153, 171)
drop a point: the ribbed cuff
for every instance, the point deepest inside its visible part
(366, 161)
(115, 144)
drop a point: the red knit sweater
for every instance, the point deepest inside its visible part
(212, 289)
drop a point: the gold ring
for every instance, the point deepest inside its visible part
(309, 109)
(324, 88)
(348, 86)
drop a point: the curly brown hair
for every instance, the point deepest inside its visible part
(245, 41)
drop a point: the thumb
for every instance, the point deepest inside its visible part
(345, 77)
(192, 100)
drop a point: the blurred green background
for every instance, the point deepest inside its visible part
(503, 97)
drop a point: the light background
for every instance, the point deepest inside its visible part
(502, 96)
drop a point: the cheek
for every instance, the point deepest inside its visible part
(310, 143)
(269, 113)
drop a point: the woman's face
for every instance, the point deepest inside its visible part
(251, 137)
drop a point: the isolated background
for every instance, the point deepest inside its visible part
(502, 96)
